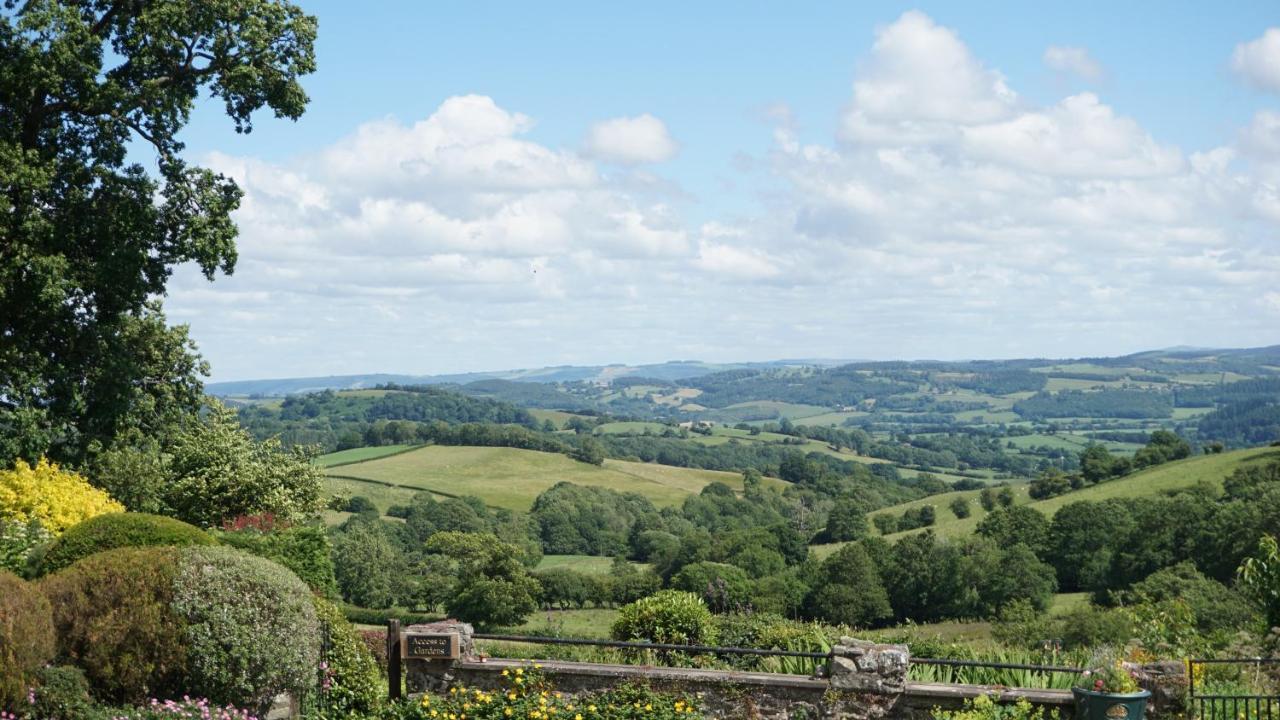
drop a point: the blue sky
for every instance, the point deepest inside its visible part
(767, 190)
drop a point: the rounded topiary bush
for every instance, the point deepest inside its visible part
(669, 616)
(117, 530)
(206, 621)
(115, 621)
(26, 637)
(250, 628)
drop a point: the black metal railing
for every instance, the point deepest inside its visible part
(666, 647)
(730, 650)
(1209, 703)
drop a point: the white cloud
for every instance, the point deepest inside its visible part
(734, 262)
(1080, 137)
(1262, 136)
(631, 140)
(919, 81)
(1072, 60)
(947, 218)
(1258, 61)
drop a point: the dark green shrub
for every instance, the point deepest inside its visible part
(351, 681)
(26, 637)
(303, 549)
(669, 616)
(114, 620)
(116, 530)
(723, 587)
(62, 693)
(250, 628)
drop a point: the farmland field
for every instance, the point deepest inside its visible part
(587, 564)
(512, 478)
(361, 454)
(1176, 475)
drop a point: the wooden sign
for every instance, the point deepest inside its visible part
(430, 646)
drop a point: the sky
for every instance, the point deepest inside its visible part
(484, 186)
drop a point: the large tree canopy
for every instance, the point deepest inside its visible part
(89, 235)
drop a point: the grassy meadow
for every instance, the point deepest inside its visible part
(1172, 476)
(513, 478)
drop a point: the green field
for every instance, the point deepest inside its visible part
(1153, 481)
(586, 564)
(590, 623)
(355, 455)
(630, 428)
(557, 417)
(512, 478)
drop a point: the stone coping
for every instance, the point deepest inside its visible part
(930, 691)
(943, 691)
(652, 672)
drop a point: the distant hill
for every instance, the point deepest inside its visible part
(674, 370)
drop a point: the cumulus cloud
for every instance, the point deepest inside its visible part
(631, 140)
(919, 82)
(1080, 136)
(946, 218)
(1258, 61)
(1072, 60)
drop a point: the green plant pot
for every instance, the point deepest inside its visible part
(1093, 705)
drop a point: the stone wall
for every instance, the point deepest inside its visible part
(862, 681)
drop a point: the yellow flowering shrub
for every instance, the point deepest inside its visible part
(47, 494)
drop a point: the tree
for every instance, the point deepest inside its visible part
(366, 565)
(847, 521)
(987, 499)
(492, 586)
(90, 239)
(1163, 447)
(1096, 464)
(1260, 575)
(1051, 483)
(850, 591)
(216, 471)
(1019, 524)
(960, 507)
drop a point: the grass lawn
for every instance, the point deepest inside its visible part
(592, 623)
(355, 455)
(513, 478)
(1066, 602)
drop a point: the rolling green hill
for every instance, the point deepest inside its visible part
(512, 478)
(1152, 481)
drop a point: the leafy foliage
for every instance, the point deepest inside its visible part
(1095, 403)
(249, 627)
(669, 617)
(114, 620)
(116, 530)
(90, 237)
(350, 680)
(47, 494)
(490, 585)
(304, 549)
(26, 637)
(218, 472)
